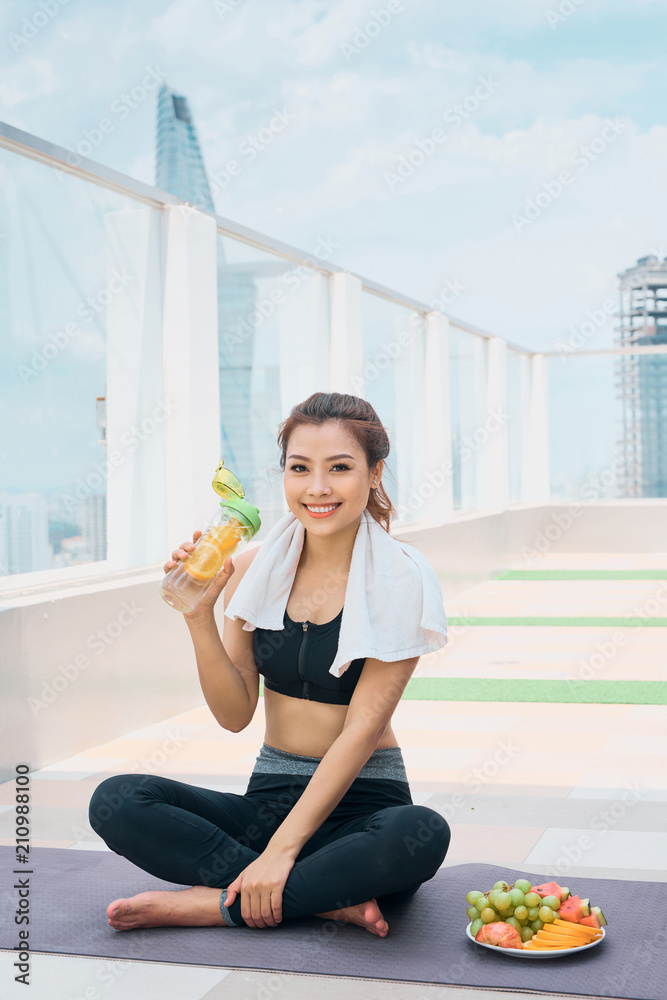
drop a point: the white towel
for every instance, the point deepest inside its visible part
(393, 602)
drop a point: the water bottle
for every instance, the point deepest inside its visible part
(227, 533)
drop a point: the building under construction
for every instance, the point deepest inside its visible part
(642, 379)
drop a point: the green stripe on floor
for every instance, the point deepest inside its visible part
(583, 574)
(620, 622)
(566, 692)
(569, 692)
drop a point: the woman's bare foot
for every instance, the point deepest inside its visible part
(200, 907)
(366, 915)
(196, 907)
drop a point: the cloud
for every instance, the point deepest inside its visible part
(527, 89)
(180, 25)
(454, 219)
(33, 77)
(316, 29)
(357, 119)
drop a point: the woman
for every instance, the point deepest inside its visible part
(327, 826)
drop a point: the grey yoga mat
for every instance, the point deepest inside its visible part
(426, 942)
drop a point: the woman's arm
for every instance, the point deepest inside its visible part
(227, 672)
(230, 689)
(373, 703)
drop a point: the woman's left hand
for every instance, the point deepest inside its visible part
(260, 887)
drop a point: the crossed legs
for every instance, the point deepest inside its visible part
(204, 839)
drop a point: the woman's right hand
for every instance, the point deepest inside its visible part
(205, 606)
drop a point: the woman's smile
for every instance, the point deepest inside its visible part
(321, 510)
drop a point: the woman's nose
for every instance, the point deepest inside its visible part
(319, 485)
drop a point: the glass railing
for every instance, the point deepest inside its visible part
(467, 375)
(584, 428)
(142, 340)
(75, 282)
(517, 389)
(393, 355)
(608, 424)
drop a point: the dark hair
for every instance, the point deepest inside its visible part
(360, 419)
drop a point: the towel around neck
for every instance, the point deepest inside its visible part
(393, 601)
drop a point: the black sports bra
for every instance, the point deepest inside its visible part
(296, 661)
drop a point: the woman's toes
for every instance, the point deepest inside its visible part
(114, 909)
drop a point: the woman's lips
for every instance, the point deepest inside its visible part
(327, 513)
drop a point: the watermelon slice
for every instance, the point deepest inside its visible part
(591, 921)
(573, 909)
(596, 911)
(551, 889)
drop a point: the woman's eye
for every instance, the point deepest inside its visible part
(296, 467)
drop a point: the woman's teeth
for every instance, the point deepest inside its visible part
(321, 510)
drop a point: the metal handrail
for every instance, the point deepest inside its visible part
(575, 353)
(32, 147)
(59, 158)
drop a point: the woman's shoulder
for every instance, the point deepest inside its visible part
(243, 559)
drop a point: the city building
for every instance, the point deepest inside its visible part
(180, 166)
(93, 518)
(642, 379)
(24, 533)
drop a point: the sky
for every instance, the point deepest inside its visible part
(416, 133)
(514, 151)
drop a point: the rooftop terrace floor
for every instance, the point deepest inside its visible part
(568, 772)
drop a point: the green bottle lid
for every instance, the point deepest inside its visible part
(245, 512)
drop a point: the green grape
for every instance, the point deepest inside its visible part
(533, 912)
(533, 899)
(523, 884)
(473, 896)
(493, 896)
(521, 913)
(546, 914)
(481, 903)
(526, 933)
(517, 896)
(472, 913)
(537, 925)
(514, 923)
(503, 901)
(488, 915)
(500, 885)
(551, 901)
(476, 926)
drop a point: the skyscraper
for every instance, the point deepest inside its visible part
(94, 525)
(24, 533)
(180, 166)
(180, 170)
(642, 379)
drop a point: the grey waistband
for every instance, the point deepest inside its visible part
(386, 762)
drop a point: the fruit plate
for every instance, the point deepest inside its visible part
(527, 953)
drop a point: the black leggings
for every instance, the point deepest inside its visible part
(374, 844)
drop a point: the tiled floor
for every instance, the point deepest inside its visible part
(532, 779)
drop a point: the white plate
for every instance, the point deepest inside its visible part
(528, 953)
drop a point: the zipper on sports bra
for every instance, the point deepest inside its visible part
(299, 662)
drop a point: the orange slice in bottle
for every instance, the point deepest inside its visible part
(210, 552)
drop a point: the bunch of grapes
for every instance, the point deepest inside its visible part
(513, 904)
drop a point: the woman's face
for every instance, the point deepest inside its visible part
(327, 481)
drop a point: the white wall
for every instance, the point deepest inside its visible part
(139, 663)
